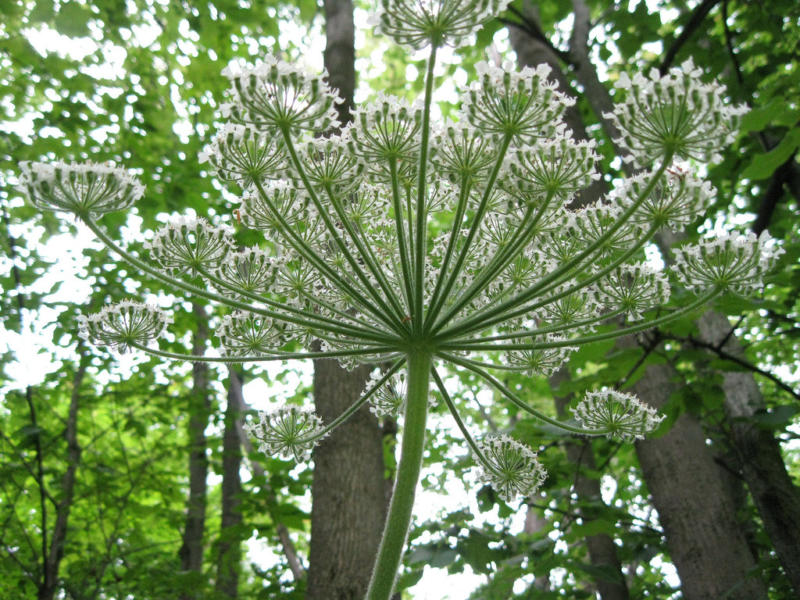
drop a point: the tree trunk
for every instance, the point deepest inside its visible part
(191, 550)
(348, 506)
(758, 453)
(53, 559)
(229, 547)
(695, 509)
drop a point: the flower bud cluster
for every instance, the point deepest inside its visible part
(290, 432)
(124, 325)
(622, 416)
(511, 468)
(83, 189)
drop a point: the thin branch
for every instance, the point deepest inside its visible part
(531, 27)
(729, 44)
(289, 550)
(696, 19)
(739, 361)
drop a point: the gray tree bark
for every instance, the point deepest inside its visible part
(348, 505)
(757, 452)
(229, 547)
(191, 550)
(695, 509)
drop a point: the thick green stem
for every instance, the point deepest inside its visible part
(397, 522)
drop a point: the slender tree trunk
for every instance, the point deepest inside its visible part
(235, 396)
(695, 509)
(348, 506)
(191, 550)
(229, 548)
(535, 523)
(758, 453)
(53, 559)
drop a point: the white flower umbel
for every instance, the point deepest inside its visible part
(244, 155)
(278, 95)
(247, 334)
(389, 399)
(410, 243)
(290, 432)
(623, 416)
(735, 261)
(83, 189)
(633, 290)
(124, 325)
(188, 245)
(511, 468)
(674, 114)
(421, 23)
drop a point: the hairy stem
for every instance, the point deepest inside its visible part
(394, 535)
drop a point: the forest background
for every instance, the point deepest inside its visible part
(130, 478)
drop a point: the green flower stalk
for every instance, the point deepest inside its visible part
(416, 244)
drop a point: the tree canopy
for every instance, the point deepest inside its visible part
(94, 453)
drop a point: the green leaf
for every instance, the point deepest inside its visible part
(778, 417)
(776, 112)
(73, 20)
(763, 165)
(43, 11)
(593, 527)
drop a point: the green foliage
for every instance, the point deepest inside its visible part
(124, 530)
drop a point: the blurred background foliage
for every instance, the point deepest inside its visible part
(137, 82)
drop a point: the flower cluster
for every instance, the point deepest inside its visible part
(622, 416)
(83, 189)
(411, 243)
(290, 432)
(124, 325)
(511, 468)
(421, 23)
(673, 115)
(733, 262)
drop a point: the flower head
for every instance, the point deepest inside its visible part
(633, 289)
(420, 23)
(124, 325)
(80, 188)
(624, 416)
(389, 399)
(511, 468)
(290, 432)
(674, 114)
(734, 261)
(188, 244)
(244, 155)
(247, 334)
(523, 104)
(278, 96)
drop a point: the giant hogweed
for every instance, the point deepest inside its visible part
(352, 259)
